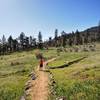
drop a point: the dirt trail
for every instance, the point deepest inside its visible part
(40, 90)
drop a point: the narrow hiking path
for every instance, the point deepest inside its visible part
(40, 89)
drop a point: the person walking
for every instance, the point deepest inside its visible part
(41, 63)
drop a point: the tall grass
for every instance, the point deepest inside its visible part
(79, 81)
(14, 72)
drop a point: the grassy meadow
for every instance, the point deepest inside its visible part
(14, 72)
(78, 81)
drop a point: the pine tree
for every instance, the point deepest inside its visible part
(77, 34)
(4, 44)
(56, 34)
(50, 41)
(15, 45)
(22, 37)
(56, 37)
(10, 43)
(98, 34)
(63, 36)
(40, 42)
(40, 37)
(3, 40)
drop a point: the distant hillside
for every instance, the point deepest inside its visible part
(92, 29)
(89, 35)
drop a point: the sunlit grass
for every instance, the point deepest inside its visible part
(66, 57)
(15, 70)
(79, 81)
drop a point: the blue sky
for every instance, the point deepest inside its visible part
(32, 16)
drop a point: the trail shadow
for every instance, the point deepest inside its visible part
(69, 63)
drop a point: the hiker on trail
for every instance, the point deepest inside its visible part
(41, 63)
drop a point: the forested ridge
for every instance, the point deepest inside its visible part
(24, 42)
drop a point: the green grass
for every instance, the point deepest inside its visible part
(14, 72)
(79, 81)
(12, 87)
(66, 57)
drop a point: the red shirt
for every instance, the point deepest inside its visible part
(41, 61)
